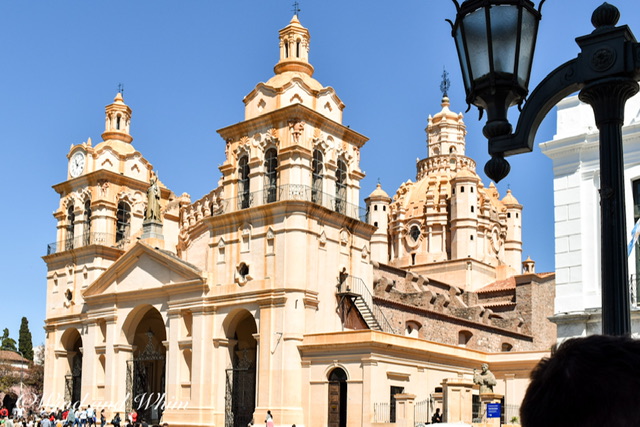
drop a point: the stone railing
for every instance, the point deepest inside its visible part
(444, 163)
(211, 205)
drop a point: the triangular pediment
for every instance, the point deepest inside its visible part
(146, 270)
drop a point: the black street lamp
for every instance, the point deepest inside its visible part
(495, 41)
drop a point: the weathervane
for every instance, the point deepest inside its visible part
(444, 86)
(296, 8)
(120, 88)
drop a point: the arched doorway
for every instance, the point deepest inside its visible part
(240, 399)
(337, 398)
(72, 343)
(146, 370)
(9, 401)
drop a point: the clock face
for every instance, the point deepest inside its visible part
(76, 165)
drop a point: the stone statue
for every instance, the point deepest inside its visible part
(485, 379)
(153, 200)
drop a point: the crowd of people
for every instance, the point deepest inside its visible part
(69, 417)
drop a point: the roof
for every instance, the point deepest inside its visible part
(6, 355)
(499, 285)
(379, 193)
(509, 199)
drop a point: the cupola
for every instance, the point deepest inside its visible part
(294, 49)
(117, 121)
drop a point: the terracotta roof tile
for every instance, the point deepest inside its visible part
(499, 285)
(11, 355)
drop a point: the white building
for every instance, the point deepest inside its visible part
(576, 166)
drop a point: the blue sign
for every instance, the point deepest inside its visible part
(493, 410)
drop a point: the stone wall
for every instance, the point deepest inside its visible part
(446, 314)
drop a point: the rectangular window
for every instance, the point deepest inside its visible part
(392, 407)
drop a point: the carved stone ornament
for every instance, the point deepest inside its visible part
(242, 148)
(296, 127)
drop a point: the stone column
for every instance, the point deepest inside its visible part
(457, 400)
(119, 392)
(368, 366)
(405, 415)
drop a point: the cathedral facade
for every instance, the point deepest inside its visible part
(276, 290)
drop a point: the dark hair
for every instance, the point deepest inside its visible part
(592, 381)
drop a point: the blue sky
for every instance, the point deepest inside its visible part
(187, 65)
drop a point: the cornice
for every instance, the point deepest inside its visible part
(92, 178)
(298, 111)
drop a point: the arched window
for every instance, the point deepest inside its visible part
(298, 49)
(71, 219)
(86, 235)
(118, 122)
(123, 223)
(506, 346)
(316, 179)
(464, 337)
(341, 187)
(337, 415)
(412, 329)
(286, 50)
(270, 175)
(243, 182)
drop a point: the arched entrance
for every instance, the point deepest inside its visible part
(337, 398)
(146, 370)
(9, 401)
(240, 399)
(72, 343)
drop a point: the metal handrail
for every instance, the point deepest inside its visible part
(211, 206)
(357, 286)
(299, 192)
(84, 239)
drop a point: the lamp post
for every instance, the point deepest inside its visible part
(495, 40)
(21, 376)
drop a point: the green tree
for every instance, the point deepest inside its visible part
(6, 342)
(25, 345)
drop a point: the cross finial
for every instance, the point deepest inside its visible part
(120, 88)
(296, 8)
(444, 86)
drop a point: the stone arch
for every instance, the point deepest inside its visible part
(69, 338)
(146, 331)
(240, 327)
(337, 397)
(132, 321)
(334, 366)
(71, 342)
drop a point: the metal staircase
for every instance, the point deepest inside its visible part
(354, 289)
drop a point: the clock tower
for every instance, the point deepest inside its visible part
(101, 211)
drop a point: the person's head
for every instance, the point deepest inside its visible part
(592, 381)
(485, 367)
(437, 410)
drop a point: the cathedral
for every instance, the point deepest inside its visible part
(276, 290)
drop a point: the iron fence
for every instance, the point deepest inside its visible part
(85, 239)
(302, 193)
(421, 412)
(382, 412)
